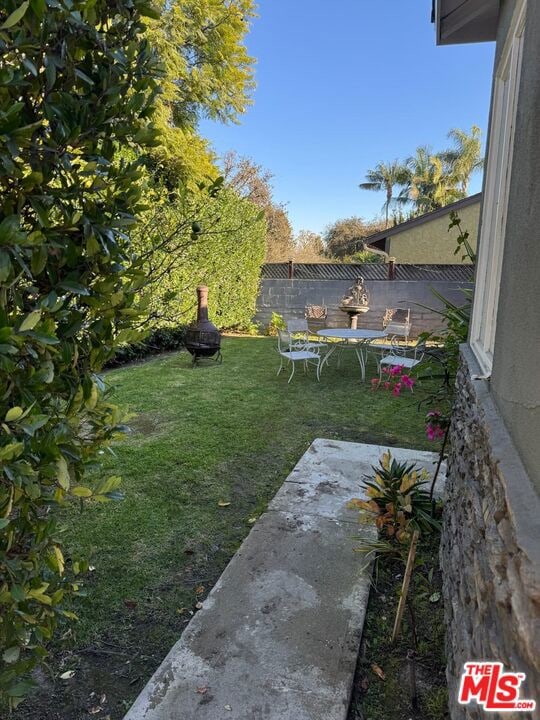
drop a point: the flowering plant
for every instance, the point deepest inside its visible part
(436, 425)
(395, 380)
(396, 500)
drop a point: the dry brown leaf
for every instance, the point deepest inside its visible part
(378, 671)
(198, 605)
(199, 589)
(223, 503)
(202, 690)
(252, 521)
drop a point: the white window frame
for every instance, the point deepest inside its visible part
(496, 190)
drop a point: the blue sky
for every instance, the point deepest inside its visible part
(344, 85)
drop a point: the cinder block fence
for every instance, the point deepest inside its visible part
(289, 296)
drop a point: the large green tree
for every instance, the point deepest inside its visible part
(432, 182)
(78, 82)
(427, 180)
(253, 182)
(386, 177)
(207, 73)
(345, 237)
(465, 157)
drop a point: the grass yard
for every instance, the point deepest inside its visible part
(201, 438)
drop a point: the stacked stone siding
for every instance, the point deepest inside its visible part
(490, 552)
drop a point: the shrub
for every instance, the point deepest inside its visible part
(397, 502)
(76, 83)
(276, 323)
(211, 236)
(158, 341)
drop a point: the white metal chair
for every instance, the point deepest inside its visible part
(401, 355)
(299, 331)
(397, 323)
(289, 352)
(397, 326)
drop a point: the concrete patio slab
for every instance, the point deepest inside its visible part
(278, 636)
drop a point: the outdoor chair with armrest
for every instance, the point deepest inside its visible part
(287, 351)
(404, 356)
(299, 331)
(316, 316)
(397, 326)
(397, 322)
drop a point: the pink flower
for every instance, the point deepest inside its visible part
(386, 385)
(396, 390)
(407, 381)
(434, 432)
(375, 383)
(396, 370)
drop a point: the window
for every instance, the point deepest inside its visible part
(496, 188)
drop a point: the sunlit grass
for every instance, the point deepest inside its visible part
(202, 436)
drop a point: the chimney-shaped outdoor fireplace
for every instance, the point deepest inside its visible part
(203, 339)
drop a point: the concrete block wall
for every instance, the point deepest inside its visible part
(290, 297)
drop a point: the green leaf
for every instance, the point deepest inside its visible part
(11, 451)
(81, 491)
(15, 16)
(74, 287)
(5, 265)
(34, 423)
(30, 321)
(62, 473)
(4, 522)
(18, 593)
(20, 689)
(42, 337)
(14, 413)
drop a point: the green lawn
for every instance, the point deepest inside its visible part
(202, 436)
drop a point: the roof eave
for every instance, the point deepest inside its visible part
(466, 22)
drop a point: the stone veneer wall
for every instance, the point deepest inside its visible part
(490, 553)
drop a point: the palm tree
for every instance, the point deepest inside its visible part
(466, 155)
(386, 177)
(433, 181)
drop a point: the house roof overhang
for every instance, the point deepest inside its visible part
(379, 239)
(465, 21)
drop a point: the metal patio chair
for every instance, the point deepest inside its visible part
(397, 323)
(316, 316)
(299, 331)
(287, 351)
(407, 357)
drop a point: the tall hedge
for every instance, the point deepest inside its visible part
(77, 82)
(213, 237)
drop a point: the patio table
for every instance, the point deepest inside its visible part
(358, 338)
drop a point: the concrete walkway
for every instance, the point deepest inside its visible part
(278, 636)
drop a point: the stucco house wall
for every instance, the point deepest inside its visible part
(490, 553)
(431, 242)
